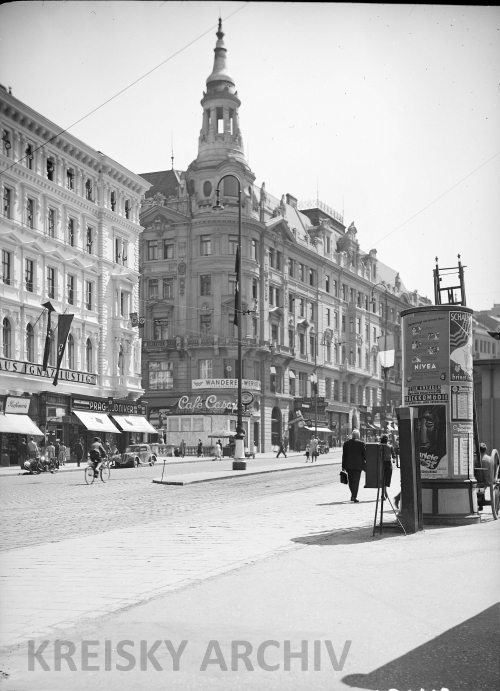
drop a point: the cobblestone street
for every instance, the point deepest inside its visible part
(147, 538)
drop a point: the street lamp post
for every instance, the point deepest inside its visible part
(384, 369)
(239, 462)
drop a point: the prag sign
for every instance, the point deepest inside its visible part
(210, 403)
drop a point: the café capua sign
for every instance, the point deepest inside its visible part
(30, 368)
(209, 404)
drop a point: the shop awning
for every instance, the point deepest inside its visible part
(317, 429)
(18, 424)
(96, 422)
(134, 423)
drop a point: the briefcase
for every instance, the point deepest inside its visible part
(343, 477)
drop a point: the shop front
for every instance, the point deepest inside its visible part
(314, 422)
(16, 425)
(195, 417)
(117, 423)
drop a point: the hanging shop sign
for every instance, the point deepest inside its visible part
(252, 384)
(211, 404)
(29, 368)
(17, 405)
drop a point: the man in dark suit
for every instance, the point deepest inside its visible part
(354, 461)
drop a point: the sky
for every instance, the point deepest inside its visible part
(387, 113)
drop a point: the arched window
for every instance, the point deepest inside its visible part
(52, 349)
(30, 343)
(71, 352)
(88, 355)
(7, 336)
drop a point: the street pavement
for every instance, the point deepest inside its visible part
(275, 557)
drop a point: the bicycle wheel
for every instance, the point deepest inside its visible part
(89, 475)
(105, 473)
(36, 468)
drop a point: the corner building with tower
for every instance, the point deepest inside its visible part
(313, 303)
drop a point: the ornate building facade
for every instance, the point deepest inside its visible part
(314, 304)
(69, 234)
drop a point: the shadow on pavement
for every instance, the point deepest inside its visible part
(344, 536)
(462, 659)
(347, 501)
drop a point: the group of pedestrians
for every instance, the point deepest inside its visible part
(312, 450)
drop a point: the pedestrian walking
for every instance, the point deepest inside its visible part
(307, 453)
(182, 448)
(22, 452)
(354, 462)
(33, 453)
(282, 449)
(61, 456)
(79, 452)
(387, 461)
(313, 448)
(396, 450)
(57, 445)
(200, 448)
(218, 450)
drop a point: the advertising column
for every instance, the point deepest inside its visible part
(437, 370)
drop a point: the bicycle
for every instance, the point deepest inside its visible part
(102, 469)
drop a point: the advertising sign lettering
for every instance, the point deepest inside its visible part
(252, 384)
(17, 405)
(19, 367)
(460, 346)
(432, 434)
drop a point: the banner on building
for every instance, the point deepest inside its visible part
(63, 327)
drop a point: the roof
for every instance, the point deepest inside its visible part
(166, 182)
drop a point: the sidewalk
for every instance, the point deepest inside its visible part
(175, 460)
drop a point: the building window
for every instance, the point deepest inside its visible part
(152, 250)
(124, 301)
(352, 393)
(7, 196)
(52, 349)
(271, 295)
(205, 324)
(29, 156)
(168, 250)
(344, 292)
(312, 311)
(89, 239)
(302, 344)
(344, 392)
(291, 303)
(71, 232)
(335, 288)
(51, 223)
(205, 285)
(233, 244)
(205, 246)
(205, 368)
(312, 345)
(168, 287)
(207, 188)
(71, 352)
(343, 323)
(255, 289)
(161, 375)
(302, 384)
(51, 282)
(291, 338)
(328, 351)
(352, 295)
(70, 289)
(70, 179)
(127, 208)
(6, 267)
(88, 189)
(112, 200)
(255, 327)
(160, 329)
(327, 284)
(274, 334)
(328, 388)
(153, 289)
(88, 295)
(335, 390)
(351, 357)
(50, 169)
(328, 244)
(89, 360)
(291, 267)
(276, 380)
(291, 383)
(328, 317)
(30, 212)
(29, 271)
(302, 307)
(255, 250)
(302, 272)
(312, 277)
(358, 326)
(6, 143)
(30, 343)
(7, 338)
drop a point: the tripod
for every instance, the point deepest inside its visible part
(384, 455)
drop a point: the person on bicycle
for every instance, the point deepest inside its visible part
(97, 454)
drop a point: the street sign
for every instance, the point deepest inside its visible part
(246, 397)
